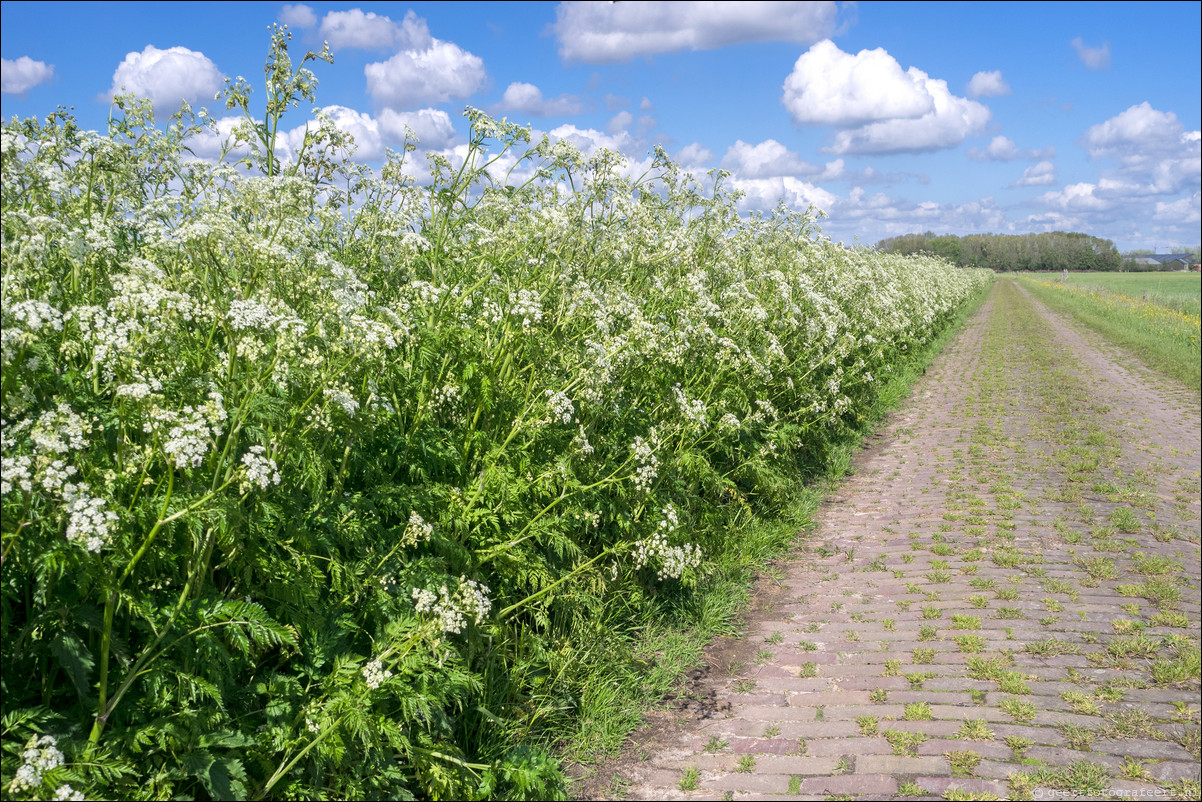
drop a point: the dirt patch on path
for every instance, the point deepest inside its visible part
(1003, 600)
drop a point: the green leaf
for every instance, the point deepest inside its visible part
(77, 661)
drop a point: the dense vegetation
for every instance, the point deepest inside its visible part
(1054, 251)
(318, 482)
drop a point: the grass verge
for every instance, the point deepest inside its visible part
(1163, 338)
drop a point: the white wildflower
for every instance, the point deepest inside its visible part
(342, 397)
(66, 793)
(374, 674)
(60, 430)
(561, 406)
(39, 756)
(260, 470)
(648, 464)
(16, 472)
(417, 529)
(89, 521)
(453, 609)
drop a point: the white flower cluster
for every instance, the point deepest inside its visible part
(65, 793)
(28, 319)
(672, 560)
(694, 410)
(89, 522)
(54, 476)
(341, 396)
(417, 529)
(374, 674)
(648, 463)
(60, 430)
(527, 305)
(729, 421)
(561, 406)
(16, 472)
(446, 398)
(138, 390)
(469, 600)
(186, 435)
(39, 756)
(260, 470)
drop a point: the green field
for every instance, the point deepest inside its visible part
(1162, 329)
(1176, 290)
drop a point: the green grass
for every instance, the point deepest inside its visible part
(1163, 336)
(1178, 290)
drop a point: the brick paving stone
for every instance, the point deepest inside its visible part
(901, 764)
(984, 422)
(871, 787)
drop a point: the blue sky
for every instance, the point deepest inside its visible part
(892, 117)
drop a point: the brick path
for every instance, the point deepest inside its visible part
(983, 605)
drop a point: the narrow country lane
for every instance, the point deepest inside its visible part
(1002, 602)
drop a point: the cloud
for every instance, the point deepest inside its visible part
(764, 193)
(1135, 131)
(1096, 58)
(614, 102)
(988, 84)
(297, 16)
(167, 77)
(619, 122)
(694, 155)
(830, 87)
(19, 76)
(768, 159)
(421, 76)
(896, 111)
(1185, 211)
(529, 98)
(433, 127)
(618, 32)
(646, 105)
(1003, 149)
(1037, 175)
(370, 31)
(1080, 197)
(946, 126)
(1149, 146)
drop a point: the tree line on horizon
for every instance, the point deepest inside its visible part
(1050, 251)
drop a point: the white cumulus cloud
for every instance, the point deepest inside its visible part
(167, 77)
(988, 84)
(1150, 146)
(371, 31)
(433, 127)
(416, 77)
(763, 193)
(1096, 58)
(768, 159)
(946, 126)
(896, 111)
(297, 16)
(528, 98)
(830, 87)
(602, 32)
(1003, 149)
(19, 76)
(694, 155)
(1037, 175)
(619, 122)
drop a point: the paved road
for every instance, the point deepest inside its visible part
(993, 606)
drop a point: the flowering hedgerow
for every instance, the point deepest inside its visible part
(320, 482)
